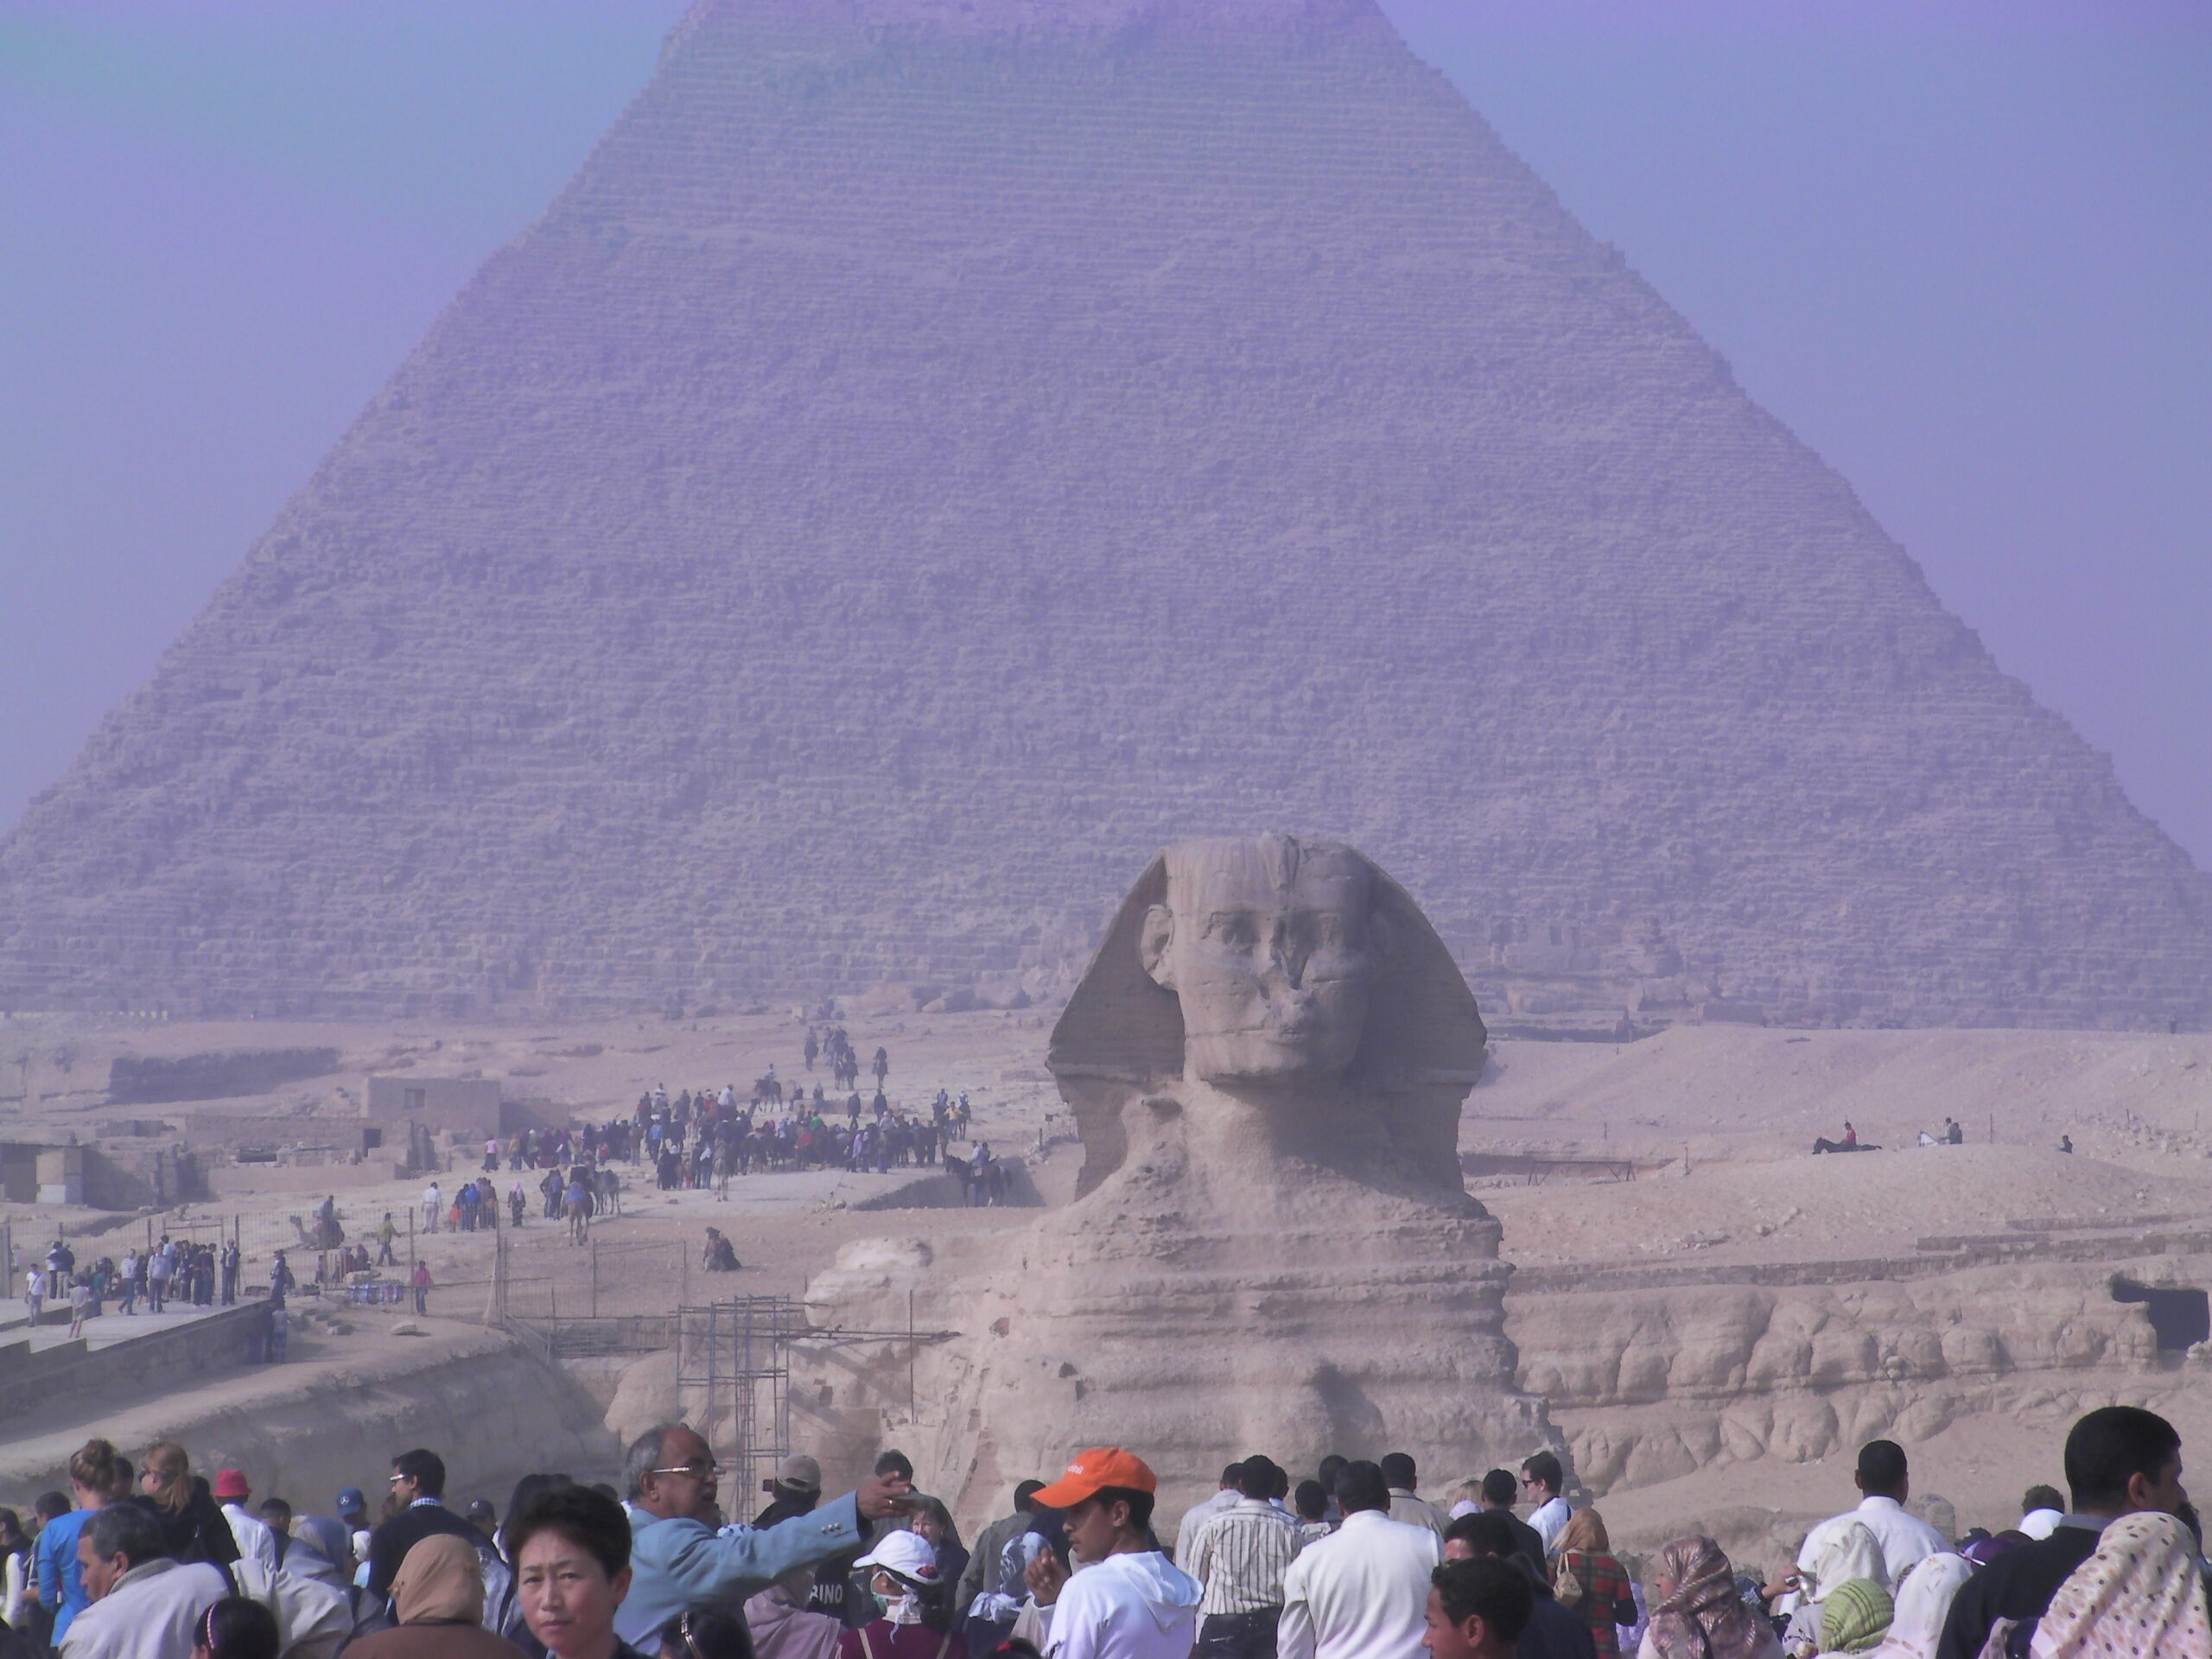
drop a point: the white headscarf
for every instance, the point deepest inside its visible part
(1851, 1551)
(1923, 1600)
(2140, 1593)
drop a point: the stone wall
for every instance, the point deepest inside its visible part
(161, 1361)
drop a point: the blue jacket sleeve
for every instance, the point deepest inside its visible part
(680, 1564)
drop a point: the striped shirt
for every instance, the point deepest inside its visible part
(1240, 1554)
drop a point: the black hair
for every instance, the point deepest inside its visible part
(1486, 1532)
(47, 1505)
(705, 1633)
(2041, 1498)
(1500, 1487)
(1256, 1477)
(895, 1462)
(275, 1506)
(1881, 1469)
(1312, 1500)
(1544, 1470)
(426, 1469)
(1486, 1588)
(1331, 1466)
(2109, 1446)
(1399, 1469)
(1140, 1503)
(237, 1627)
(592, 1521)
(1024, 1496)
(127, 1529)
(1232, 1474)
(1360, 1485)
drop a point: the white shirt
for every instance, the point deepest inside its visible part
(1131, 1607)
(1360, 1594)
(256, 1541)
(1550, 1520)
(1204, 1511)
(1905, 1539)
(154, 1612)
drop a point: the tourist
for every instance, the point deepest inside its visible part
(160, 1269)
(1588, 1581)
(437, 1603)
(1476, 1610)
(2042, 1507)
(1854, 1617)
(34, 1291)
(18, 1581)
(1310, 1507)
(982, 1572)
(1848, 1554)
(784, 1627)
(1362, 1591)
(1696, 1611)
(144, 1604)
(1407, 1506)
(915, 1617)
(233, 1263)
(2121, 1460)
(254, 1542)
(1922, 1601)
(84, 1303)
(931, 1519)
(239, 1627)
(418, 1485)
(1240, 1554)
(2142, 1592)
(1128, 1600)
(1550, 1631)
(1885, 1484)
(1496, 1496)
(128, 1276)
(193, 1526)
(682, 1561)
(1226, 1496)
(1540, 1477)
(572, 1571)
(61, 1582)
(434, 1205)
(421, 1283)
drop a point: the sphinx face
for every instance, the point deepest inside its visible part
(1268, 946)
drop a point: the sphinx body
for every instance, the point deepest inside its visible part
(1271, 1248)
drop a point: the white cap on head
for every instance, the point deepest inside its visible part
(907, 1554)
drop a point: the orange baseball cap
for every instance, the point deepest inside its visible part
(1103, 1465)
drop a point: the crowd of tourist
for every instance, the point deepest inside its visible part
(155, 1562)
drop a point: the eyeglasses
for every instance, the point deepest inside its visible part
(699, 1470)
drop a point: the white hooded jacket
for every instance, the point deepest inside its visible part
(1139, 1605)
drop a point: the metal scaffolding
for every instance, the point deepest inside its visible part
(733, 1376)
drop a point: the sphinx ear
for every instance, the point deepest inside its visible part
(1152, 940)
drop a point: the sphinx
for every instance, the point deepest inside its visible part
(1271, 1247)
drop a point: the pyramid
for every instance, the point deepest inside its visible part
(936, 451)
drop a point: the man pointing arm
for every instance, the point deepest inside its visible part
(678, 1560)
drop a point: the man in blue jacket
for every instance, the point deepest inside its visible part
(677, 1561)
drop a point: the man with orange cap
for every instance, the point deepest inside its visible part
(1125, 1600)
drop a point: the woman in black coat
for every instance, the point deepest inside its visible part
(193, 1524)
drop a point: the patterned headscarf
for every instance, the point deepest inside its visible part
(1585, 1531)
(1702, 1614)
(1854, 1617)
(1923, 1600)
(2140, 1593)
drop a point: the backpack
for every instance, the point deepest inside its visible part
(1567, 1583)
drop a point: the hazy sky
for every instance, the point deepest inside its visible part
(1964, 250)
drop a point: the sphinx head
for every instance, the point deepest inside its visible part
(1270, 945)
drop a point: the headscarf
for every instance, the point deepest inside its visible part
(1702, 1614)
(1854, 1617)
(440, 1583)
(1851, 1552)
(2140, 1593)
(1584, 1531)
(1923, 1600)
